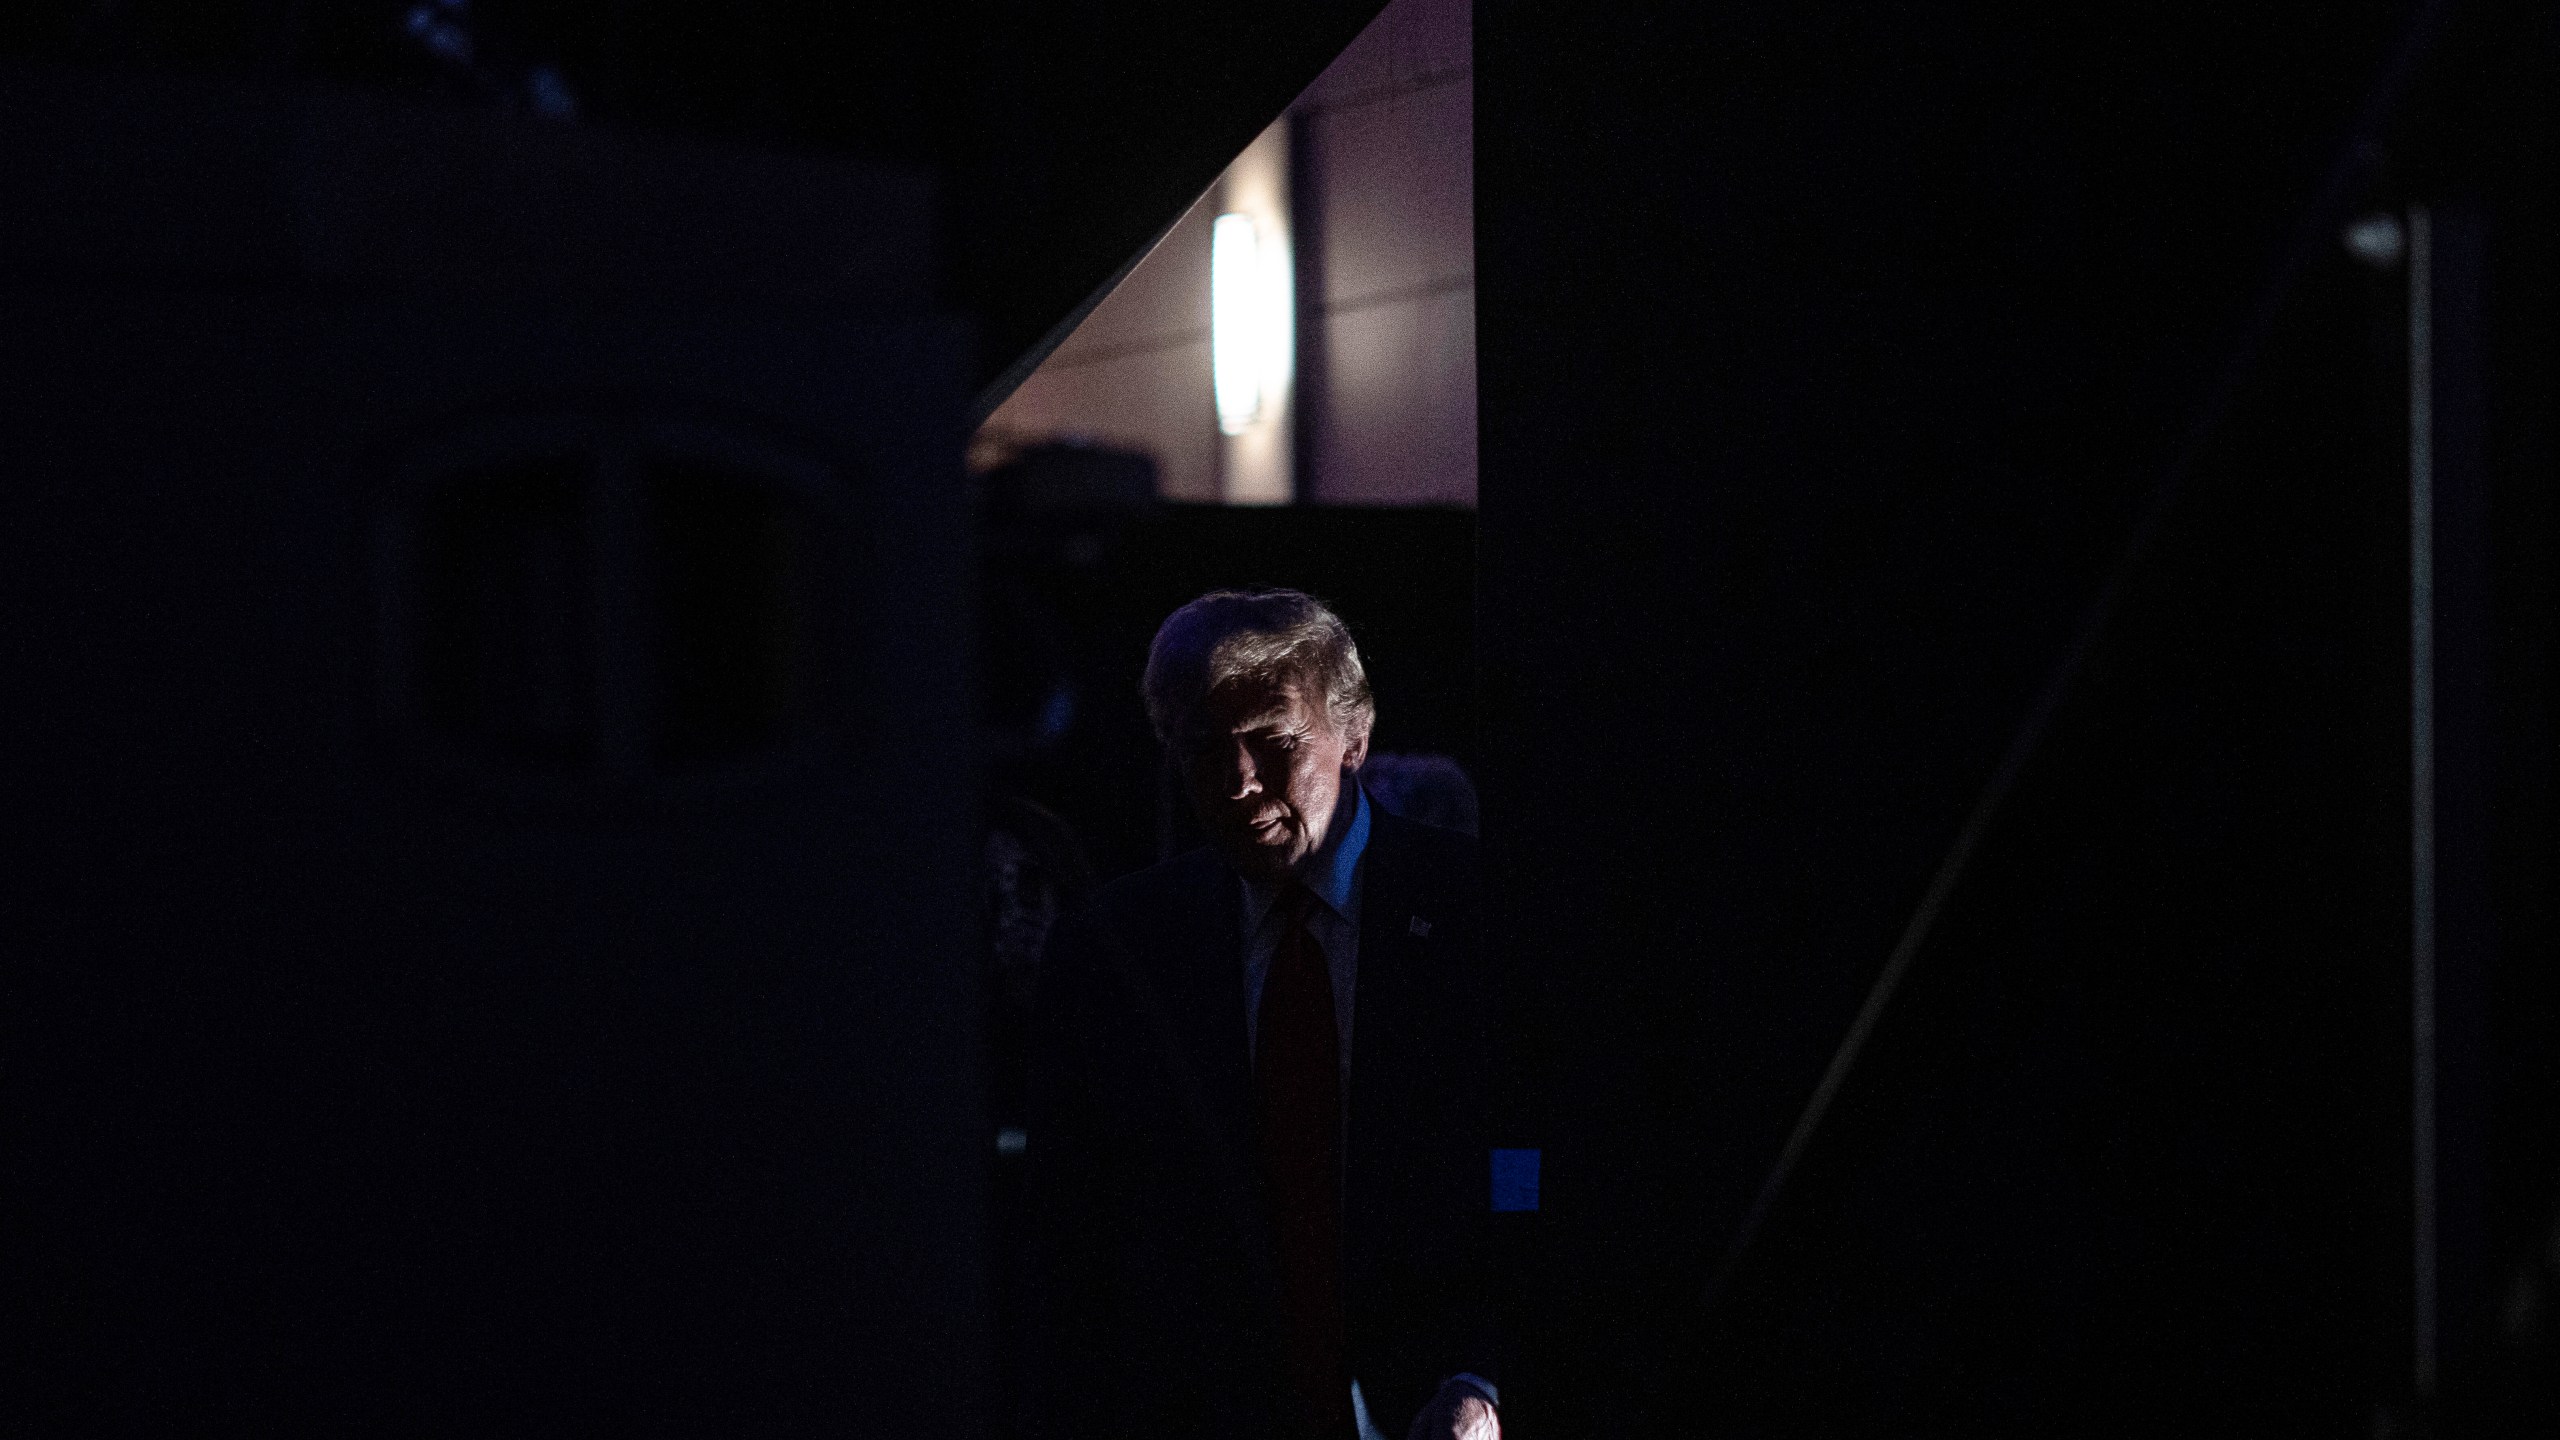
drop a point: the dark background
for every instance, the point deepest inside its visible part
(1063, 138)
(1830, 356)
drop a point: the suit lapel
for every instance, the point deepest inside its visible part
(1383, 1009)
(1184, 975)
(1200, 968)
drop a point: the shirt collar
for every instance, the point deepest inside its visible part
(1333, 872)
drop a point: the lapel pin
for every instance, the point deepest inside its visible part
(1419, 926)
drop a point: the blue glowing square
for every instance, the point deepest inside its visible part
(1515, 1181)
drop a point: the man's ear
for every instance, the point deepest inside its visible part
(1355, 751)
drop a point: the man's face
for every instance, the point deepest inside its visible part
(1265, 767)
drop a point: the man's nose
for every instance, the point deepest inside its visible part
(1243, 779)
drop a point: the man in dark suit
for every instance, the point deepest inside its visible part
(1257, 1134)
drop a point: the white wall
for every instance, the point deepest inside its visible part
(1385, 142)
(1135, 374)
(1382, 147)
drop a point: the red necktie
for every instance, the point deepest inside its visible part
(1297, 1073)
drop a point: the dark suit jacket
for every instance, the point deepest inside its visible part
(1152, 1277)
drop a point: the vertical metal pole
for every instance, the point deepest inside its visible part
(2422, 800)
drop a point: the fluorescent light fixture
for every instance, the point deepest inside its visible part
(1237, 319)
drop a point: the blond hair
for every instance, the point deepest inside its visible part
(1280, 636)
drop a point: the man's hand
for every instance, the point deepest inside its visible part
(1458, 1412)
